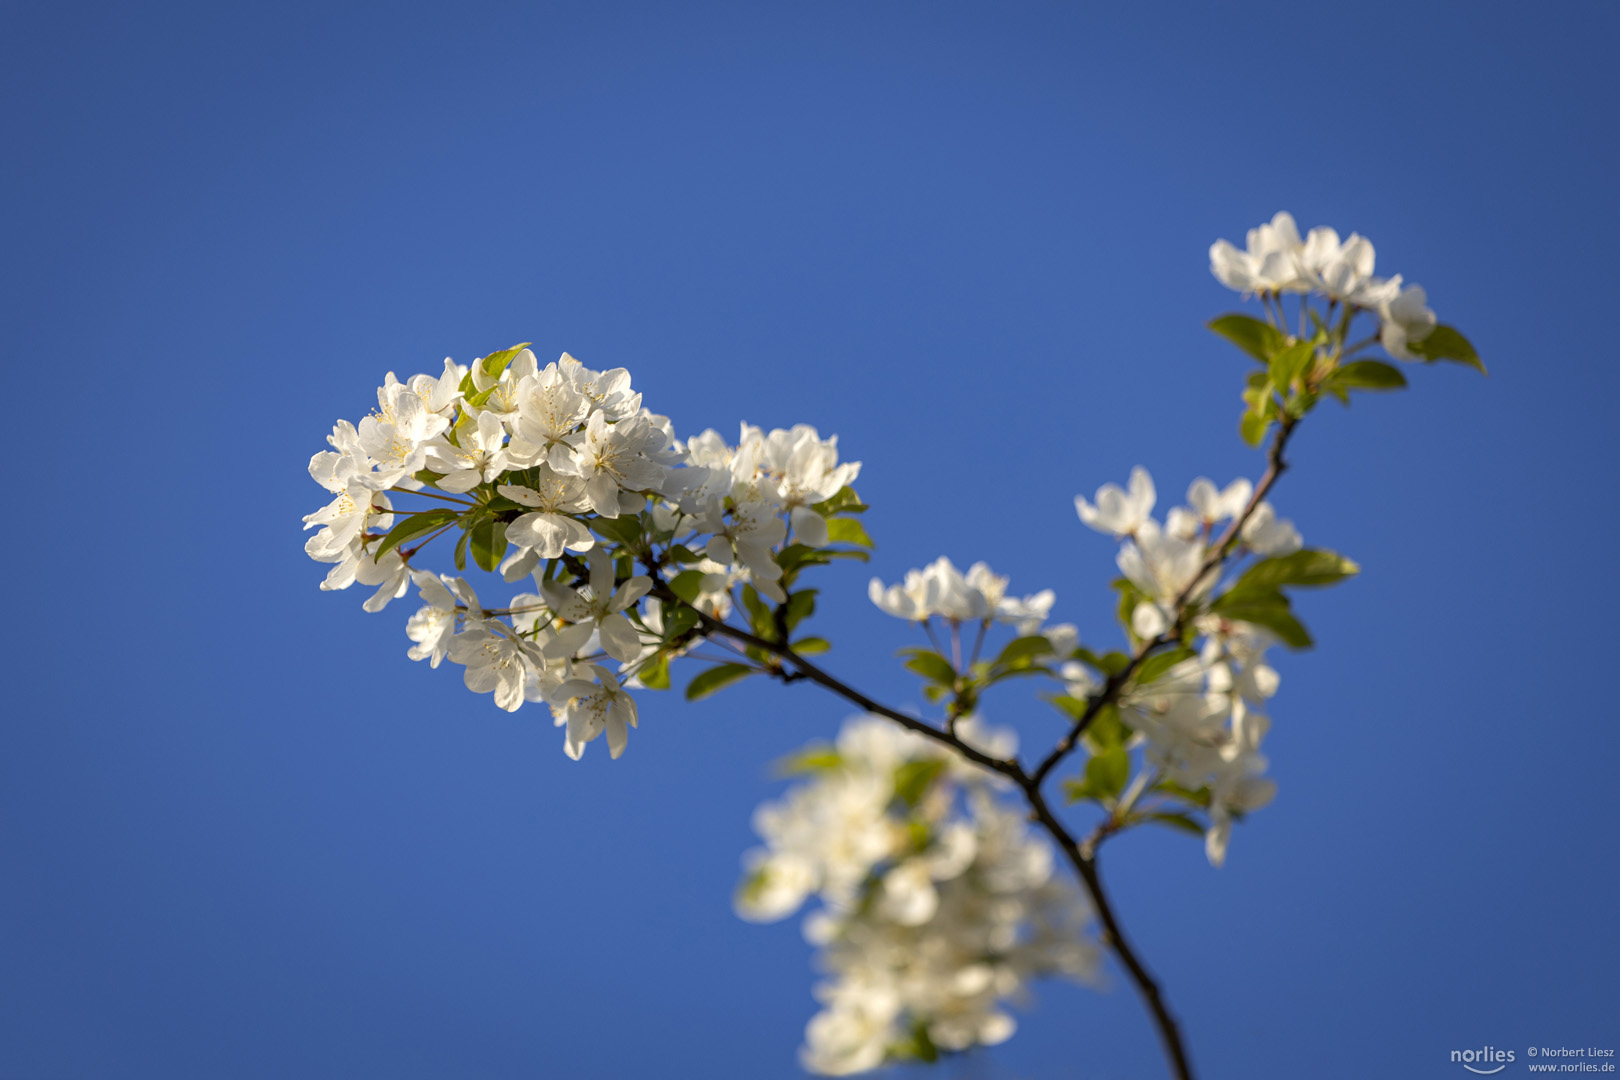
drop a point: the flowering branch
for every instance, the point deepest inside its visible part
(1217, 557)
(938, 900)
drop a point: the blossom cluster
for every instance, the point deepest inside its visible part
(937, 905)
(1275, 261)
(560, 474)
(1199, 722)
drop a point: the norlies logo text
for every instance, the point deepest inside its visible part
(1489, 1055)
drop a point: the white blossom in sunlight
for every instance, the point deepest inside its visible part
(552, 527)
(800, 468)
(1267, 534)
(1340, 271)
(938, 905)
(1270, 263)
(479, 459)
(1405, 318)
(586, 708)
(1119, 512)
(940, 589)
(598, 608)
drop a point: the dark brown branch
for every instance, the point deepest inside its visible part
(1084, 862)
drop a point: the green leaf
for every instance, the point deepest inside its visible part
(847, 531)
(428, 476)
(811, 646)
(686, 584)
(760, 617)
(655, 674)
(1107, 772)
(1105, 777)
(1200, 797)
(683, 554)
(625, 529)
(1444, 343)
(1366, 375)
(1182, 822)
(488, 543)
(1072, 707)
(800, 606)
(817, 757)
(678, 622)
(1309, 566)
(1105, 730)
(1159, 663)
(412, 527)
(1259, 339)
(461, 551)
(1109, 663)
(1289, 363)
(496, 362)
(1263, 607)
(911, 780)
(1253, 427)
(931, 666)
(1023, 650)
(716, 679)
(795, 556)
(843, 501)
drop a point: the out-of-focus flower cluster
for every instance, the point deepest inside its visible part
(937, 904)
(560, 474)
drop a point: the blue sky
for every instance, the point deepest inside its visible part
(242, 835)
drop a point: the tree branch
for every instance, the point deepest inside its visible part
(1084, 862)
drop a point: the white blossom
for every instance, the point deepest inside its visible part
(1119, 512)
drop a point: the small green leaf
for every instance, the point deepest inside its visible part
(1444, 343)
(1107, 772)
(1159, 663)
(818, 757)
(461, 551)
(1366, 375)
(625, 529)
(843, 501)
(1309, 566)
(1069, 705)
(686, 584)
(800, 606)
(1105, 730)
(428, 476)
(412, 527)
(716, 679)
(1253, 427)
(1259, 339)
(1263, 607)
(1200, 797)
(811, 646)
(655, 673)
(911, 780)
(488, 543)
(760, 617)
(1288, 364)
(1023, 650)
(1181, 822)
(847, 531)
(683, 554)
(931, 666)
(496, 362)
(678, 621)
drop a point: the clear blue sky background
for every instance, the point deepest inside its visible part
(241, 835)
